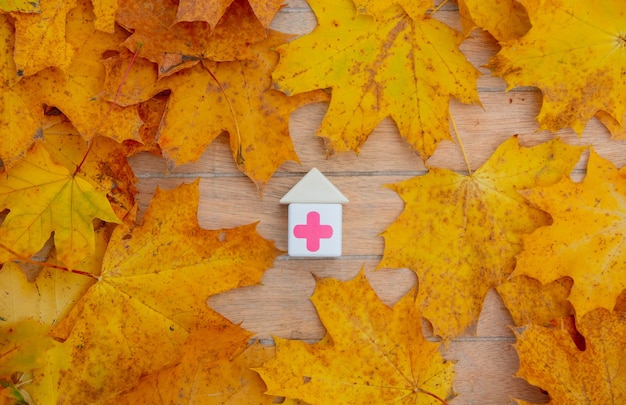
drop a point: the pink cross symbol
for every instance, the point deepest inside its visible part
(313, 231)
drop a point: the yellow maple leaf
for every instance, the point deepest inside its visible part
(199, 108)
(371, 354)
(40, 38)
(155, 279)
(105, 11)
(460, 234)
(29, 308)
(529, 301)
(395, 67)
(22, 6)
(103, 163)
(215, 364)
(504, 19)
(45, 197)
(18, 126)
(77, 90)
(550, 360)
(376, 8)
(586, 239)
(573, 53)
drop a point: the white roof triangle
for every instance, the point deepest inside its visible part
(314, 188)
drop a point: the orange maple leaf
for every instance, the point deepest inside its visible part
(215, 363)
(155, 279)
(177, 46)
(573, 54)
(585, 241)
(205, 101)
(213, 11)
(550, 360)
(396, 66)
(460, 234)
(371, 353)
(504, 19)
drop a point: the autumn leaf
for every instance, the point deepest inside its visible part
(29, 308)
(105, 11)
(156, 277)
(199, 109)
(529, 301)
(376, 8)
(212, 12)
(460, 234)
(40, 38)
(585, 241)
(504, 19)
(174, 47)
(371, 354)
(103, 163)
(215, 364)
(45, 197)
(398, 67)
(550, 360)
(573, 54)
(76, 92)
(18, 126)
(22, 6)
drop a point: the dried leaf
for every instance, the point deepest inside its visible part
(416, 9)
(155, 280)
(175, 47)
(18, 126)
(105, 11)
(215, 364)
(22, 6)
(460, 234)
(573, 54)
(199, 109)
(45, 197)
(103, 164)
(529, 301)
(504, 19)
(372, 354)
(40, 38)
(549, 359)
(585, 241)
(76, 92)
(211, 12)
(396, 67)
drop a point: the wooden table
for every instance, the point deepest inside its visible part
(486, 361)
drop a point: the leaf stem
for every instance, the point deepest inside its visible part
(430, 394)
(46, 264)
(437, 8)
(240, 159)
(458, 137)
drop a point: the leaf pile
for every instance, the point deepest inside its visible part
(99, 307)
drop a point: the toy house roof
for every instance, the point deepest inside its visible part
(314, 188)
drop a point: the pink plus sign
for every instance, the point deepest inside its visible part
(313, 231)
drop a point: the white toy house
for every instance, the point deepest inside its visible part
(315, 217)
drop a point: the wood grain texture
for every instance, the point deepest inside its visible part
(280, 306)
